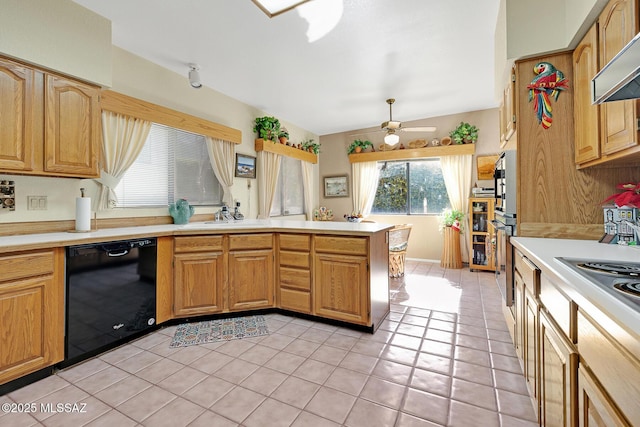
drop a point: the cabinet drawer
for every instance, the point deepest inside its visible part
(295, 278)
(198, 243)
(341, 245)
(558, 306)
(250, 241)
(295, 300)
(26, 264)
(295, 242)
(529, 272)
(615, 367)
(295, 259)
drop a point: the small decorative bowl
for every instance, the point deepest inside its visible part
(353, 219)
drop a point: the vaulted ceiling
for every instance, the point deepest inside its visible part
(435, 57)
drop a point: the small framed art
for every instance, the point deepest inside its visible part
(336, 186)
(245, 166)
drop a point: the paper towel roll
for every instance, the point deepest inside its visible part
(83, 213)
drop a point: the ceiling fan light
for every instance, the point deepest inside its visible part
(391, 138)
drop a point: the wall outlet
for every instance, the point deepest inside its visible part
(37, 203)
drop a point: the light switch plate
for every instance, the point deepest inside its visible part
(37, 203)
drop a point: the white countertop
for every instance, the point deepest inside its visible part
(31, 241)
(543, 253)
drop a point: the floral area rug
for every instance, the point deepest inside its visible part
(219, 330)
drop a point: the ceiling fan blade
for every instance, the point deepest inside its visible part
(391, 124)
(419, 129)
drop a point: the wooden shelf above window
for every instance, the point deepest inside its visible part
(285, 150)
(414, 153)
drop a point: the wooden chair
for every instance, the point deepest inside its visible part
(398, 242)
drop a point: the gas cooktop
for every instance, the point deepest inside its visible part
(622, 280)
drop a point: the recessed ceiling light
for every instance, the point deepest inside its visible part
(275, 7)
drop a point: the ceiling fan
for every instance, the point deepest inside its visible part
(393, 126)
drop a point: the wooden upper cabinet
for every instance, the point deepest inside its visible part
(586, 115)
(17, 101)
(617, 26)
(72, 131)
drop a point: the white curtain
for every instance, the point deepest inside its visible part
(457, 173)
(307, 182)
(123, 139)
(267, 174)
(222, 157)
(364, 184)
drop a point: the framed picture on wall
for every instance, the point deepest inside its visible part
(486, 166)
(336, 186)
(245, 166)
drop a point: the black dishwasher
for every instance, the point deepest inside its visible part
(111, 295)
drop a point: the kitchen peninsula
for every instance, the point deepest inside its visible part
(329, 270)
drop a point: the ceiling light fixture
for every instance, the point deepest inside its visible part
(391, 138)
(274, 8)
(194, 76)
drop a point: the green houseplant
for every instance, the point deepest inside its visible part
(450, 217)
(267, 127)
(283, 135)
(464, 133)
(310, 146)
(358, 146)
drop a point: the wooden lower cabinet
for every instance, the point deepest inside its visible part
(198, 278)
(31, 312)
(595, 408)
(198, 285)
(558, 382)
(251, 283)
(531, 346)
(294, 272)
(340, 287)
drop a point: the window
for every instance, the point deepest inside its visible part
(289, 197)
(173, 165)
(411, 187)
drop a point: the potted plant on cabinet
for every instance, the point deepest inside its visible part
(267, 128)
(464, 133)
(283, 135)
(358, 146)
(310, 146)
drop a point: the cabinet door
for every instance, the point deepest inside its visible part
(31, 317)
(72, 127)
(341, 288)
(198, 283)
(586, 115)
(531, 343)
(617, 24)
(595, 409)
(17, 97)
(251, 279)
(558, 364)
(518, 304)
(509, 106)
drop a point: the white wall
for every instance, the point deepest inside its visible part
(142, 79)
(59, 35)
(425, 241)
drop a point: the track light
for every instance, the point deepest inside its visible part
(391, 138)
(194, 76)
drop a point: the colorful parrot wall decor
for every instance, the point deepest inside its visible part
(547, 84)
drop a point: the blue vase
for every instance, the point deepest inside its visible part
(181, 211)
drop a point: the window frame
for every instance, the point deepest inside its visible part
(407, 173)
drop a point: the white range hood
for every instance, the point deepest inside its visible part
(620, 78)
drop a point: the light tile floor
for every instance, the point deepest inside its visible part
(443, 357)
